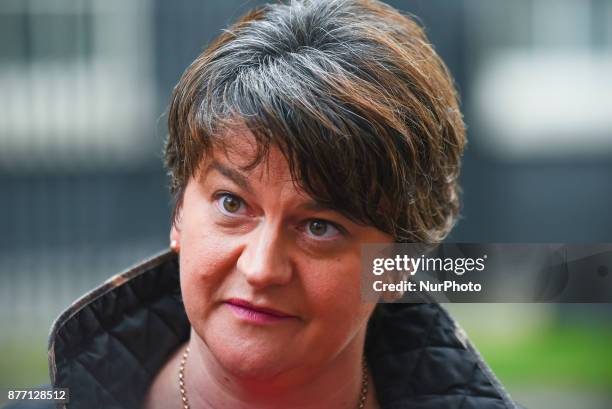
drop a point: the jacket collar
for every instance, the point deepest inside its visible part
(109, 344)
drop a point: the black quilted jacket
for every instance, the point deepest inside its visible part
(110, 343)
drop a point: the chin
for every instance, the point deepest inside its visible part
(247, 363)
(247, 356)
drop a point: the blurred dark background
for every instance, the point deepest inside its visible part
(84, 86)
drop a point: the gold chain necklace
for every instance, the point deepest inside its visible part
(185, 403)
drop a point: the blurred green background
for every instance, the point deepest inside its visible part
(84, 86)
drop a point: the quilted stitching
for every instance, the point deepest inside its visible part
(427, 336)
(102, 404)
(458, 401)
(102, 324)
(461, 377)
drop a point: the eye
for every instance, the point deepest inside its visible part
(230, 205)
(321, 229)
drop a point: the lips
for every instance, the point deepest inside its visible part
(243, 304)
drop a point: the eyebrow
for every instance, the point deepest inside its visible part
(240, 180)
(315, 206)
(233, 175)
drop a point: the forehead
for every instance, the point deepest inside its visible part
(238, 151)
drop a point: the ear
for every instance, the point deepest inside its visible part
(396, 277)
(391, 297)
(175, 233)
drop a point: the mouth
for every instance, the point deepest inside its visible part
(256, 314)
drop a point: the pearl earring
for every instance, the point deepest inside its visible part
(174, 246)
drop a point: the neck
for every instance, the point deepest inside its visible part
(332, 385)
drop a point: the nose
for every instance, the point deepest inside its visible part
(264, 260)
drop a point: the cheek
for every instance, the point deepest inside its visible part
(205, 262)
(333, 293)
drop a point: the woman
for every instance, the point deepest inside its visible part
(303, 132)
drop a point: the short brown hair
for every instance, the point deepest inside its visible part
(353, 95)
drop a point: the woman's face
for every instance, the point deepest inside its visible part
(270, 279)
